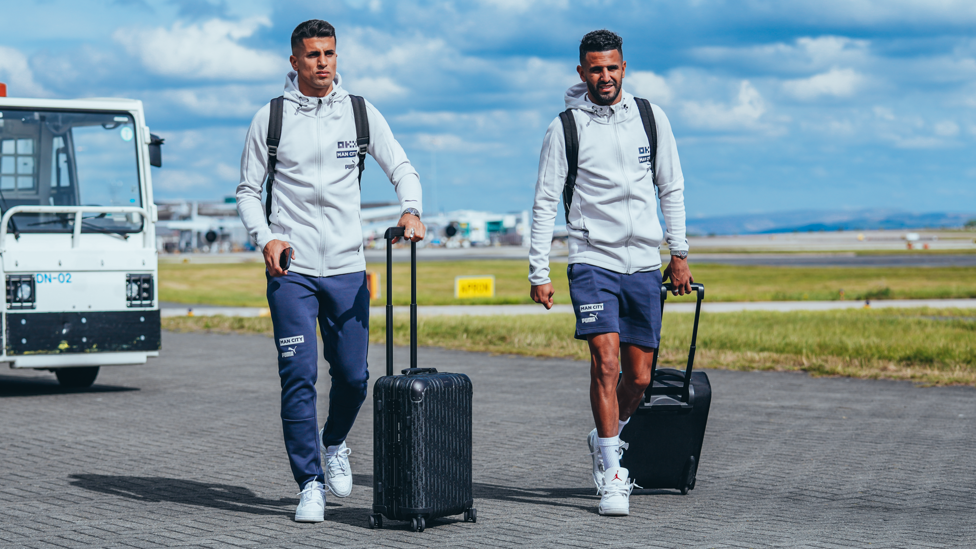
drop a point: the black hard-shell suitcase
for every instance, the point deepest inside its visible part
(421, 430)
(665, 434)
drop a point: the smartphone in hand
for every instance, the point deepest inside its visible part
(285, 260)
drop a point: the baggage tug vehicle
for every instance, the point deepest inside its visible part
(77, 236)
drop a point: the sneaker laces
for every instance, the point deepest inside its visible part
(309, 488)
(337, 461)
(618, 488)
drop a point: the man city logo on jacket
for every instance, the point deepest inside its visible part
(342, 153)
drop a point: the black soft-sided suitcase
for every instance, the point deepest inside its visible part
(665, 434)
(421, 430)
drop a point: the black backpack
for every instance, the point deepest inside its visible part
(572, 146)
(274, 137)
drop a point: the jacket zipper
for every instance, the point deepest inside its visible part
(318, 191)
(623, 177)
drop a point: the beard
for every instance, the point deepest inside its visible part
(604, 98)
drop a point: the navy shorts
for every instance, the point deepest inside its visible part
(605, 301)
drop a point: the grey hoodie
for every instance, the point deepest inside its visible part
(613, 220)
(315, 203)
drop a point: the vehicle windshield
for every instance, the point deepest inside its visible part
(59, 158)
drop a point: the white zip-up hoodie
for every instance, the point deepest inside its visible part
(613, 220)
(315, 203)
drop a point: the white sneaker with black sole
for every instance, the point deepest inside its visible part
(311, 506)
(615, 492)
(335, 461)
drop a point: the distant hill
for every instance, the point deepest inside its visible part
(814, 220)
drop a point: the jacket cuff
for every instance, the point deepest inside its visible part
(265, 237)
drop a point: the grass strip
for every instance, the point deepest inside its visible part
(928, 346)
(244, 284)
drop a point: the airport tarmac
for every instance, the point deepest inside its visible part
(187, 451)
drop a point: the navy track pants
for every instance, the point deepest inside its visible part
(341, 306)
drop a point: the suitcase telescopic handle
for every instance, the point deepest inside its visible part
(392, 233)
(686, 381)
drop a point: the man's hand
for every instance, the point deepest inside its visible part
(542, 294)
(680, 275)
(412, 228)
(272, 252)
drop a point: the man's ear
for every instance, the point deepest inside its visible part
(294, 62)
(579, 70)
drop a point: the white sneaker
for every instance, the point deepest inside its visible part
(338, 475)
(597, 459)
(598, 471)
(616, 491)
(311, 506)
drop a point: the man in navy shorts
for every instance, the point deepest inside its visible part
(614, 239)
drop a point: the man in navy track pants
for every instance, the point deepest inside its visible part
(314, 210)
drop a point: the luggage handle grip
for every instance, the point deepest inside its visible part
(391, 233)
(418, 371)
(700, 294)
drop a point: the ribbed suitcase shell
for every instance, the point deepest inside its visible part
(666, 439)
(421, 429)
(422, 445)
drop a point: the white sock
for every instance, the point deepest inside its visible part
(621, 424)
(609, 448)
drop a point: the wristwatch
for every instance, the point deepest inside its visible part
(680, 253)
(411, 211)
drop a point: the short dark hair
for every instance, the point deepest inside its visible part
(600, 40)
(313, 28)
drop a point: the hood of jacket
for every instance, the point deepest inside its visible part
(306, 104)
(576, 99)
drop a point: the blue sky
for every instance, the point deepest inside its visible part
(827, 104)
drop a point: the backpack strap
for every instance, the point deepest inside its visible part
(572, 157)
(274, 137)
(650, 128)
(362, 132)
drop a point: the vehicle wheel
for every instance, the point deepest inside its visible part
(415, 524)
(77, 378)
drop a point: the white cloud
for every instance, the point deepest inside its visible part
(15, 71)
(209, 51)
(227, 101)
(884, 113)
(496, 121)
(451, 142)
(372, 5)
(650, 86)
(744, 113)
(835, 82)
(807, 54)
(522, 6)
(946, 128)
(375, 88)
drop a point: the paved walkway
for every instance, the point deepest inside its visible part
(178, 309)
(187, 452)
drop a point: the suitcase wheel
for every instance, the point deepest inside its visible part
(417, 524)
(376, 521)
(684, 490)
(471, 515)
